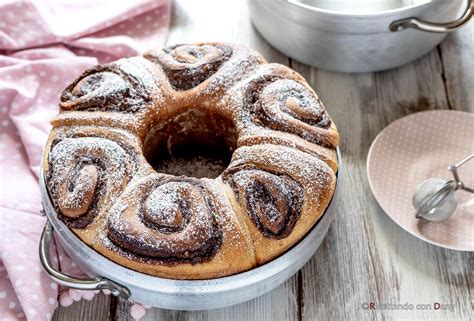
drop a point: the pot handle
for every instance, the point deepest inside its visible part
(97, 283)
(423, 25)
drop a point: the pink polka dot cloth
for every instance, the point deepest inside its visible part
(43, 47)
(418, 147)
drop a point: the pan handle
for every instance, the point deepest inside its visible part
(423, 25)
(97, 283)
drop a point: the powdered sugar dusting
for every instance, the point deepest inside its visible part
(197, 166)
(77, 165)
(314, 175)
(162, 206)
(182, 219)
(197, 238)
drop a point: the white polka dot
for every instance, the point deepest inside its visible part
(12, 305)
(32, 312)
(34, 297)
(20, 267)
(5, 123)
(73, 264)
(19, 282)
(4, 109)
(51, 301)
(54, 286)
(20, 315)
(3, 295)
(36, 283)
(48, 316)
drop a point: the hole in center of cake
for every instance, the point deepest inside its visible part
(191, 143)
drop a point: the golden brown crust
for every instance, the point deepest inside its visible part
(278, 184)
(315, 178)
(235, 253)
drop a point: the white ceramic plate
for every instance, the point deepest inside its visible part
(417, 147)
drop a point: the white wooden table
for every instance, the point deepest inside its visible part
(365, 257)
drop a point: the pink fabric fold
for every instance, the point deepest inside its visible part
(43, 47)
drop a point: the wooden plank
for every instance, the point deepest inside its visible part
(211, 20)
(98, 309)
(280, 304)
(366, 257)
(458, 60)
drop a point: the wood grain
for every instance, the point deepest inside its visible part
(457, 55)
(98, 309)
(365, 257)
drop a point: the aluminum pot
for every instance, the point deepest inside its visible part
(341, 41)
(176, 294)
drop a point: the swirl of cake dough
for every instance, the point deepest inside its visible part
(186, 66)
(289, 106)
(85, 173)
(272, 201)
(166, 218)
(280, 191)
(124, 86)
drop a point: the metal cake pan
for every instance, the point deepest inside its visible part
(177, 294)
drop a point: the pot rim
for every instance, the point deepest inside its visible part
(376, 14)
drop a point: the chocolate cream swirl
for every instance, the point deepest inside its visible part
(289, 106)
(272, 201)
(122, 86)
(84, 175)
(186, 66)
(170, 219)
